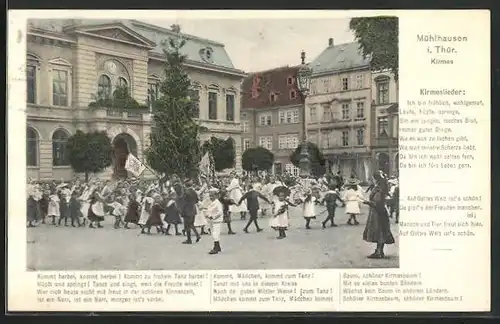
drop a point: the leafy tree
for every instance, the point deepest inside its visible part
(316, 158)
(378, 38)
(175, 146)
(257, 159)
(222, 151)
(89, 152)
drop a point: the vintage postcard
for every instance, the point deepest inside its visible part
(248, 161)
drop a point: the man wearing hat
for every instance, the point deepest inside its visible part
(188, 211)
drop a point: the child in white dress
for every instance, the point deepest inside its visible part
(352, 198)
(280, 217)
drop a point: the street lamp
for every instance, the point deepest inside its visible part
(304, 84)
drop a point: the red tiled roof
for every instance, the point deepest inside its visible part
(259, 88)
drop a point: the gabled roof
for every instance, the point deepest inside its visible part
(257, 88)
(339, 57)
(116, 30)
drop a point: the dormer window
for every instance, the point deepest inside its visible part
(273, 97)
(290, 80)
(293, 94)
(206, 54)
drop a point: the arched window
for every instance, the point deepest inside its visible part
(59, 150)
(104, 87)
(31, 147)
(122, 82)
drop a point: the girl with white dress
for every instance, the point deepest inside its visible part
(200, 219)
(310, 202)
(352, 198)
(280, 217)
(145, 211)
(264, 206)
(235, 193)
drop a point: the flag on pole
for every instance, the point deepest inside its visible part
(205, 165)
(134, 165)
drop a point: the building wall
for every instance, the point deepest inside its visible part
(385, 148)
(83, 58)
(326, 123)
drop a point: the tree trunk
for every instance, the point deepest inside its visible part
(86, 176)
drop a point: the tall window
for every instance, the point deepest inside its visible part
(345, 138)
(360, 110)
(325, 139)
(312, 115)
(383, 126)
(313, 87)
(194, 96)
(326, 86)
(122, 83)
(266, 142)
(59, 150)
(60, 88)
(104, 87)
(265, 119)
(153, 94)
(383, 91)
(212, 106)
(246, 144)
(327, 113)
(359, 81)
(31, 83)
(31, 147)
(230, 107)
(345, 111)
(245, 126)
(360, 137)
(345, 84)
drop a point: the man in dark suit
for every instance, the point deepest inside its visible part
(188, 211)
(252, 197)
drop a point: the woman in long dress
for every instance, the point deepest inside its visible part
(145, 211)
(154, 215)
(378, 229)
(235, 193)
(132, 215)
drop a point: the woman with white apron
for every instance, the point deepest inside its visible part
(200, 219)
(235, 193)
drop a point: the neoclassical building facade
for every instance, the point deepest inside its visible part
(73, 62)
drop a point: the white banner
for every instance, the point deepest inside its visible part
(205, 164)
(134, 165)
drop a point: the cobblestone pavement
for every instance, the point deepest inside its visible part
(68, 248)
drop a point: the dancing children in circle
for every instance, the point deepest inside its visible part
(252, 197)
(215, 215)
(280, 217)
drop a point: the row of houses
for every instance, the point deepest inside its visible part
(350, 113)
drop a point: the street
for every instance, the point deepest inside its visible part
(68, 248)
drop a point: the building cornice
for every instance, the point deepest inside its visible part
(113, 39)
(202, 66)
(49, 35)
(268, 108)
(339, 71)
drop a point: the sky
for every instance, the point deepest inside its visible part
(260, 44)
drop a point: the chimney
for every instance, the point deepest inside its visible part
(330, 42)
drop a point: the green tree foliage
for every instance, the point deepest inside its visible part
(223, 152)
(175, 146)
(257, 159)
(316, 158)
(119, 101)
(378, 38)
(89, 152)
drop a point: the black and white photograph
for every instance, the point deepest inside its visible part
(212, 144)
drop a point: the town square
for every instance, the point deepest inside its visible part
(151, 147)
